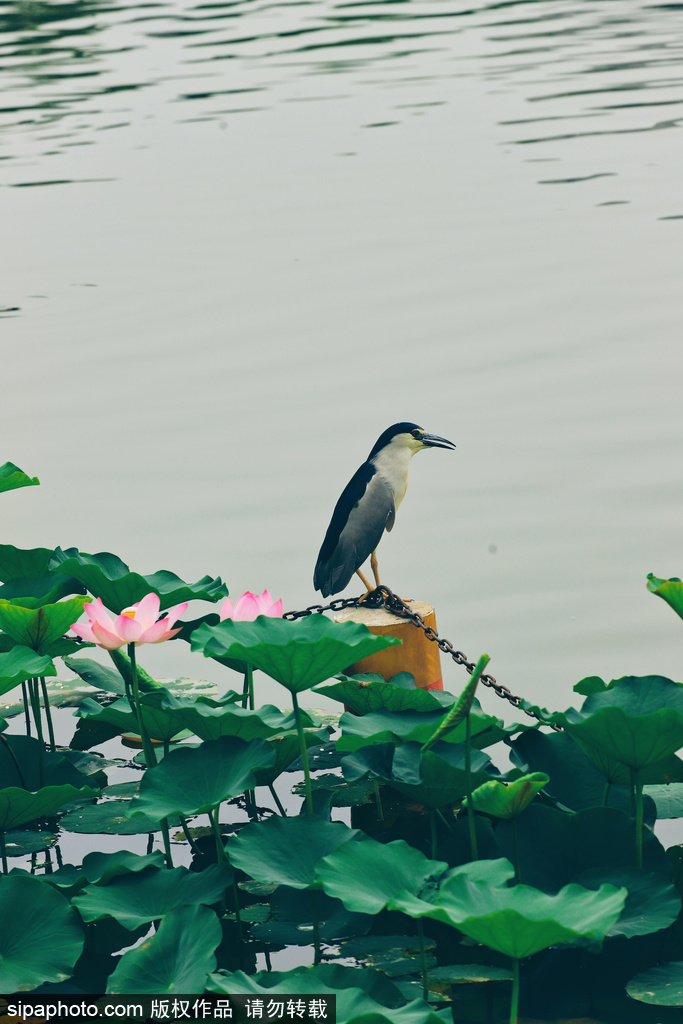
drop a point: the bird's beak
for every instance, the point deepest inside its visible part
(434, 441)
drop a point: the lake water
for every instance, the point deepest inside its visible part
(241, 239)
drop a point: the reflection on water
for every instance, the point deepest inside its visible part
(71, 70)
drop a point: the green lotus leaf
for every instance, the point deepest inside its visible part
(20, 766)
(210, 719)
(437, 777)
(386, 726)
(637, 721)
(36, 591)
(41, 936)
(287, 749)
(110, 817)
(102, 677)
(23, 563)
(661, 985)
(508, 801)
(136, 899)
(17, 806)
(363, 996)
(521, 920)
(176, 959)
(41, 629)
(12, 477)
(291, 914)
(102, 867)
(668, 799)
(160, 725)
(287, 850)
(369, 692)
(575, 781)
(436, 900)
(557, 848)
(366, 875)
(23, 663)
(670, 590)
(652, 902)
(297, 654)
(192, 780)
(105, 576)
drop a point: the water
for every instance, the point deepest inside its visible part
(241, 239)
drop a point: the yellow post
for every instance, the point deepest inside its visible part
(416, 654)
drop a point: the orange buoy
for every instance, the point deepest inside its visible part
(416, 654)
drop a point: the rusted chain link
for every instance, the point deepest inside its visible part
(383, 597)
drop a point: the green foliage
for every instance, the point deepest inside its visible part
(105, 576)
(296, 654)
(189, 781)
(139, 898)
(177, 959)
(42, 629)
(23, 663)
(507, 801)
(659, 986)
(287, 850)
(12, 477)
(41, 936)
(17, 806)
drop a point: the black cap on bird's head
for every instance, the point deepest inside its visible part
(413, 435)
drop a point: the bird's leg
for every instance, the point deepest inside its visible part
(366, 584)
(375, 567)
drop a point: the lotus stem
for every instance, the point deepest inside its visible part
(423, 959)
(26, 711)
(468, 770)
(3, 852)
(223, 858)
(276, 798)
(606, 792)
(48, 714)
(514, 999)
(188, 835)
(316, 928)
(150, 757)
(304, 754)
(11, 753)
(35, 707)
(378, 800)
(248, 688)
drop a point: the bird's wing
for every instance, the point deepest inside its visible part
(359, 520)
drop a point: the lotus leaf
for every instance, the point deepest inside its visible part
(41, 936)
(297, 654)
(176, 959)
(661, 985)
(370, 692)
(287, 850)
(136, 899)
(42, 629)
(104, 575)
(670, 590)
(210, 719)
(192, 780)
(23, 663)
(12, 477)
(366, 875)
(508, 801)
(17, 806)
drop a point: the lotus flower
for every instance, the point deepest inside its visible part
(135, 625)
(250, 605)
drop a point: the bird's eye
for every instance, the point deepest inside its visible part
(416, 433)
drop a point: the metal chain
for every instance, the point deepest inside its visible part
(383, 597)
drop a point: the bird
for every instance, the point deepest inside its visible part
(367, 507)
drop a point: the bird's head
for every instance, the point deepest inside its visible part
(410, 437)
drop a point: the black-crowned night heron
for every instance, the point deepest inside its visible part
(367, 507)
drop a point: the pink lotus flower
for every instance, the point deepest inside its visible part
(135, 625)
(250, 605)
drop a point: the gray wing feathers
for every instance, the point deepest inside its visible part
(362, 533)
